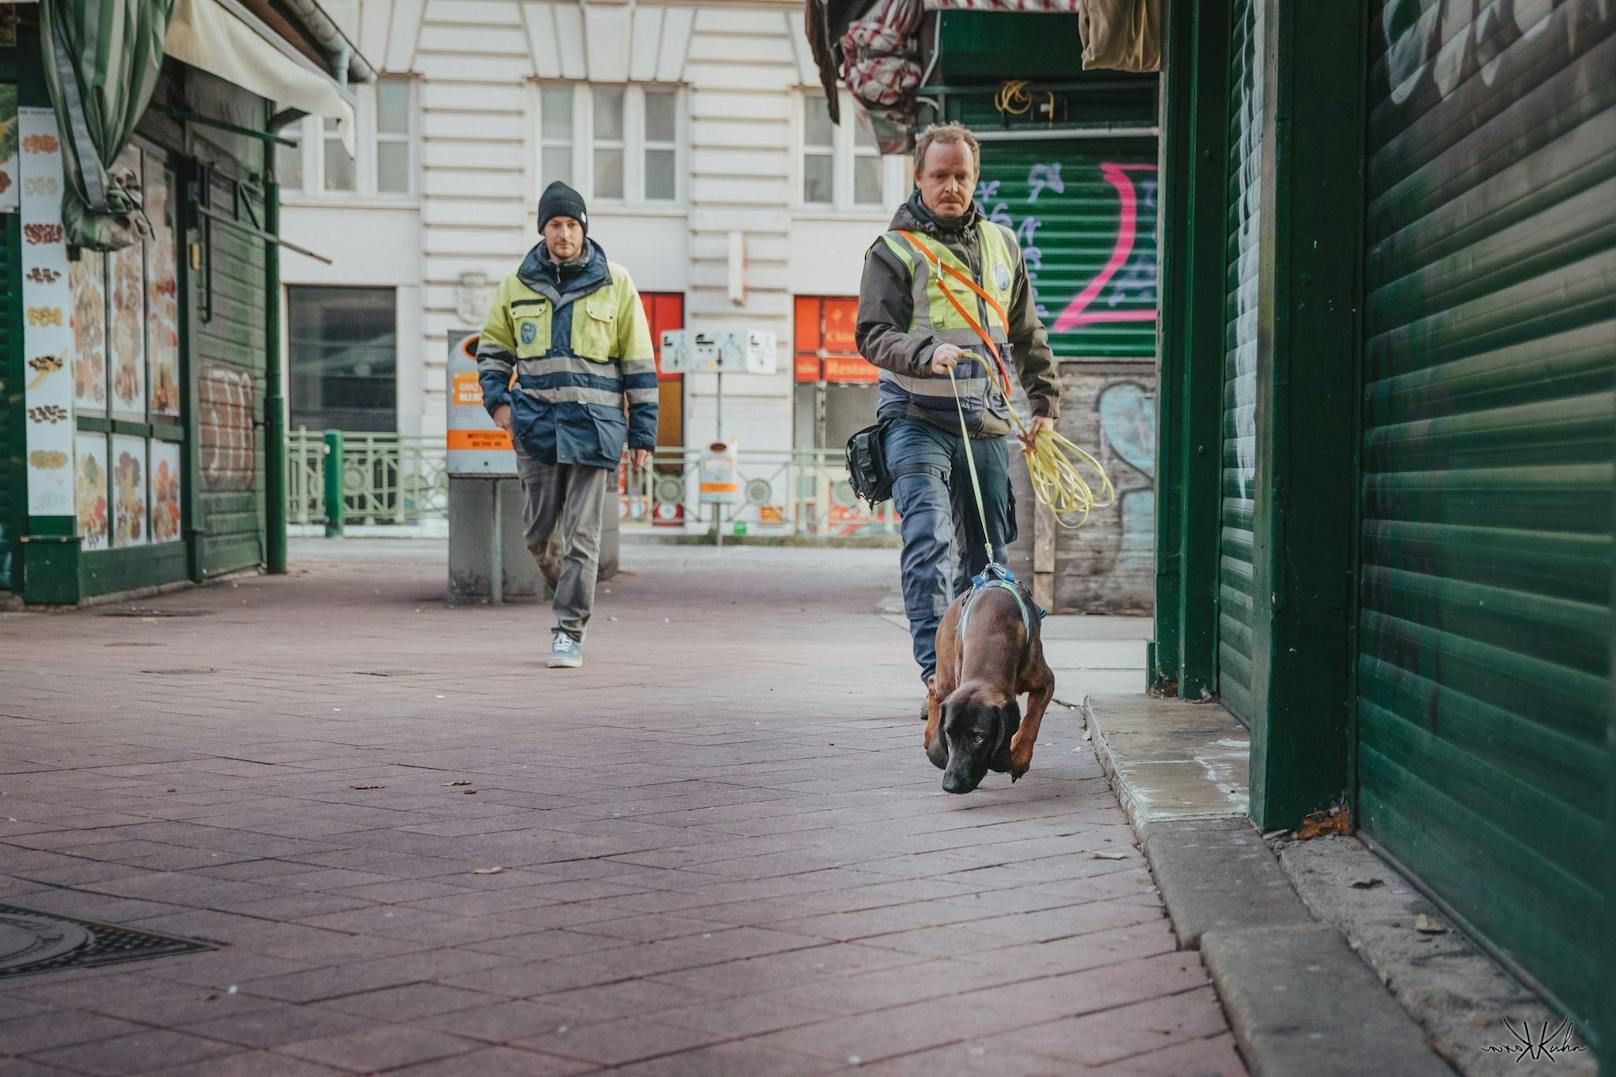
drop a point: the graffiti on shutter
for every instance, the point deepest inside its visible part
(227, 403)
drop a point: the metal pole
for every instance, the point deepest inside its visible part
(335, 508)
(719, 422)
(275, 399)
(496, 572)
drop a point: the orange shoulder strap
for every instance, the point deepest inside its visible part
(976, 326)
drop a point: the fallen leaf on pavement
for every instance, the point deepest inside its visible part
(367, 787)
(1107, 854)
(469, 792)
(1427, 926)
(1335, 821)
(1366, 884)
(495, 870)
(462, 781)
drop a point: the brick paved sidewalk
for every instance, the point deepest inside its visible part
(722, 849)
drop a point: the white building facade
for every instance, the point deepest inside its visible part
(696, 132)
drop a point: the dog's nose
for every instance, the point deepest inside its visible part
(957, 783)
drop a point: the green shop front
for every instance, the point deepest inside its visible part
(1388, 443)
(139, 428)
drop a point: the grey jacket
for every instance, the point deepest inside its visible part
(885, 313)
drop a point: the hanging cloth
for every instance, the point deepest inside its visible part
(101, 60)
(1120, 35)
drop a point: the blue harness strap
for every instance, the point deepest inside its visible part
(998, 576)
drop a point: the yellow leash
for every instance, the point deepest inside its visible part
(1065, 479)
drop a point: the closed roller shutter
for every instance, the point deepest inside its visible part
(1485, 628)
(1236, 595)
(1085, 215)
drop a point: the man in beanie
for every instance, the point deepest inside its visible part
(569, 325)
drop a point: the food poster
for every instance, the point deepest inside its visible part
(165, 491)
(10, 180)
(90, 490)
(47, 335)
(87, 281)
(126, 320)
(162, 291)
(129, 510)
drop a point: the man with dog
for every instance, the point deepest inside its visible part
(938, 282)
(568, 324)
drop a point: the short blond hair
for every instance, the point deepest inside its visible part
(947, 133)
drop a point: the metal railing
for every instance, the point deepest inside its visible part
(402, 479)
(384, 478)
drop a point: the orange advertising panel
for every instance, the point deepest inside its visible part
(826, 341)
(479, 440)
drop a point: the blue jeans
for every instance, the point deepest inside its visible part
(942, 536)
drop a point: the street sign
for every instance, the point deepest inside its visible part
(476, 447)
(684, 350)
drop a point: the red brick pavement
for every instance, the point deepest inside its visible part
(722, 849)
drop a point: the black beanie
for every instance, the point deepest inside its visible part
(559, 200)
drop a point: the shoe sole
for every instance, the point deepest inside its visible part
(566, 663)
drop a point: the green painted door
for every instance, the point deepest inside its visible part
(1485, 631)
(1084, 212)
(228, 362)
(1236, 596)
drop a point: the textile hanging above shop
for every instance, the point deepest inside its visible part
(874, 47)
(1026, 7)
(102, 59)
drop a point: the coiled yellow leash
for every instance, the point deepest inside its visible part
(1066, 479)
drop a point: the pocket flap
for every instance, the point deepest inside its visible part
(601, 308)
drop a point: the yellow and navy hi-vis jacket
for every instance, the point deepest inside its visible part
(580, 346)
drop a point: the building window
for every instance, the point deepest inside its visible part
(393, 136)
(608, 138)
(840, 165)
(555, 135)
(661, 145)
(618, 144)
(818, 153)
(344, 358)
(383, 166)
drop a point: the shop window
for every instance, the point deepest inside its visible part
(124, 357)
(344, 358)
(836, 390)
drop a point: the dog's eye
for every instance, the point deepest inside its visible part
(979, 740)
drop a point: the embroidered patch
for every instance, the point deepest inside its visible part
(530, 330)
(1001, 276)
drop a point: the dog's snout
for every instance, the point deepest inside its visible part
(957, 782)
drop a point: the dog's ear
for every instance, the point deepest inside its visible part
(1010, 715)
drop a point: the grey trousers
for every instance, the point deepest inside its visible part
(562, 515)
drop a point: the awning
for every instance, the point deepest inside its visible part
(235, 46)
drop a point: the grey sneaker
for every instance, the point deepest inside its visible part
(566, 652)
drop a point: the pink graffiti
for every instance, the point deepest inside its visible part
(1077, 312)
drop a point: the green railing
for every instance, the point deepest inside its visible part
(400, 479)
(384, 478)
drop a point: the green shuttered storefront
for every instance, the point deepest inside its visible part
(1084, 211)
(1485, 629)
(1236, 595)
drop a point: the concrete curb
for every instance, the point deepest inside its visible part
(1299, 1000)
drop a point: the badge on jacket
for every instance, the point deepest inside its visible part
(529, 331)
(1001, 276)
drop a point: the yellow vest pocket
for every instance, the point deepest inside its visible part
(594, 328)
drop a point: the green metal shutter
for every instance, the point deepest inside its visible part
(1084, 212)
(1485, 629)
(229, 350)
(1236, 595)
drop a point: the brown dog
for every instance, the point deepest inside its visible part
(973, 723)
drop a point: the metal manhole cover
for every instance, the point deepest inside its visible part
(33, 941)
(152, 611)
(26, 939)
(184, 671)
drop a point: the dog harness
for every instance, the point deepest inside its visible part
(998, 576)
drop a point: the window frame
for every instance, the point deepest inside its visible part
(311, 137)
(844, 153)
(633, 145)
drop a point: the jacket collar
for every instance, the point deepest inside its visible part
(913, 216)
(567, 281)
